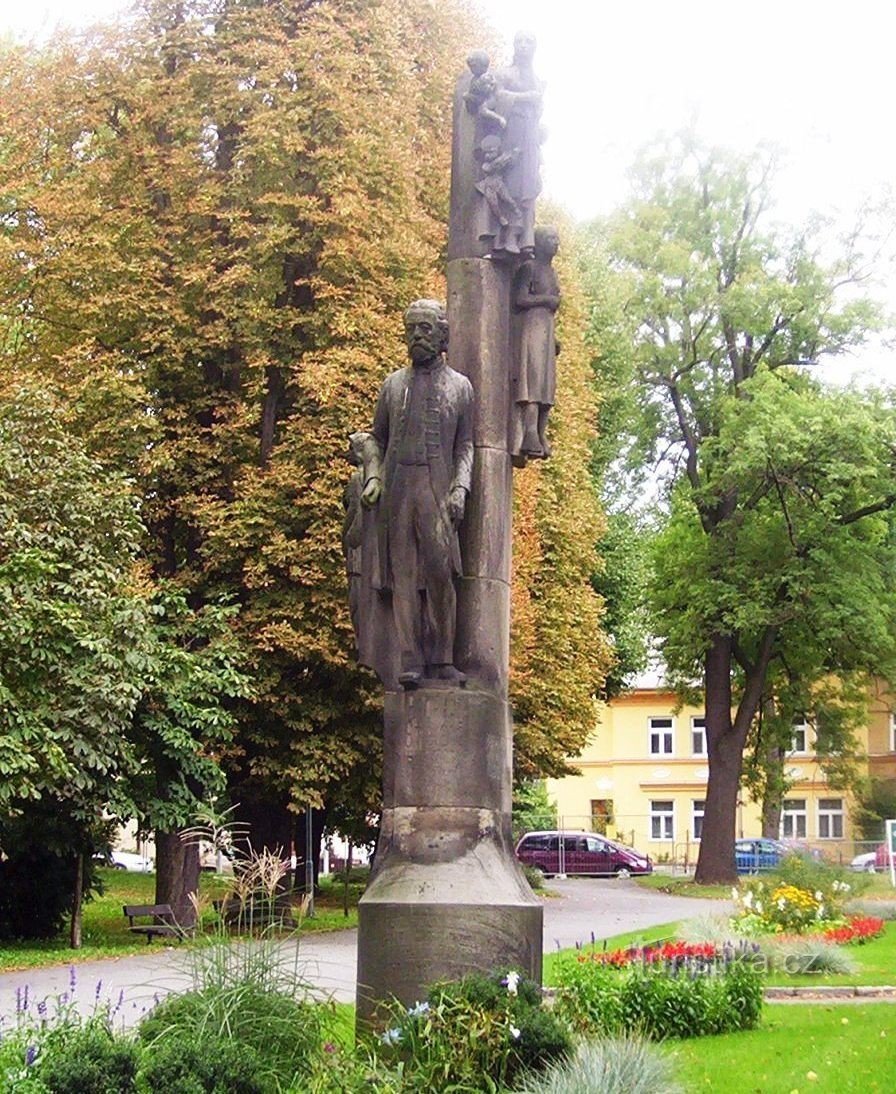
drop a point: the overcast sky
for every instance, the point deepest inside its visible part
(815, 79)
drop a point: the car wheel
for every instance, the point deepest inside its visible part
(623, 872)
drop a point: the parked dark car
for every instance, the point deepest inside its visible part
(755, 855)
(582, 853)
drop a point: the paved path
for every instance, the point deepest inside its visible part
(583, 905)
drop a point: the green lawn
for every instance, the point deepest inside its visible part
(105, 930)
(799, 1048)
(875, 961)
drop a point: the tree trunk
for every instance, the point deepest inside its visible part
(318, 820)
(77, 903)
(724, 746)
(177, 876)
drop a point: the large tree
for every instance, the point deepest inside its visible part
(211, 221)
(778, 536)
(113, 693)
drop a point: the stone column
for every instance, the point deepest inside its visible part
(447, 896)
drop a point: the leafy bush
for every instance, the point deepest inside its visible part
(534, 876)
(689, 999)
(206, 1064)
(86, 1059)
(474, 1034)
(620, 1065)
(282, 1031)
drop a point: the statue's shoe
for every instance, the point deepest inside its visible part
(410, 679)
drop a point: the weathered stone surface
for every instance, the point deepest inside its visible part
(447, 747)
(479, 314)
(485, 542)
(482, 648)
(425, 923)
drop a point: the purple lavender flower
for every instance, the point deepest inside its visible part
(72, 979)
(30, 1055)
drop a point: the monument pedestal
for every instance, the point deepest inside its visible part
(446, 896)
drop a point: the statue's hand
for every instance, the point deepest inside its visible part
(370, 495)
(457, 503)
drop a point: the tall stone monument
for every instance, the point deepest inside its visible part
(428, 548)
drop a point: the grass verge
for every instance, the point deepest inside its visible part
(683, 886)
(798, 1048)
(875, 966)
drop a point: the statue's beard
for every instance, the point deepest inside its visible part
(421, 354)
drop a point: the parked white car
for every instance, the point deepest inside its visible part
(865, 863)
(128, 860)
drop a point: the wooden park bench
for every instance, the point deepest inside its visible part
(162, 922)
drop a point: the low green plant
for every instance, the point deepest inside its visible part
(685, 1000)
(611, 1065)
(797, 956)
(192, 1064)
(248, 991)
(74, 1058)
(474, 1034)
(534, 876)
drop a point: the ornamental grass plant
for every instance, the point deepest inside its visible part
(611, 1065)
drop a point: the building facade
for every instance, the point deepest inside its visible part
(644, 774)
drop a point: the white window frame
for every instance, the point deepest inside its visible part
(794, 816)
(801, 727)
(830, 818)
(661, 727)
(701, 730)
(893, 732)
(662, 820)
(698, 809)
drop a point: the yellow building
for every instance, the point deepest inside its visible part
(644, 773)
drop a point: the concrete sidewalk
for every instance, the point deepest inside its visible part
(131, 985)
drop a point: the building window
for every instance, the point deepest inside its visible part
(799, 741)
(601, 815)
(698, 736)
(662, 820)
(793, 819)
(660, 736)
(893, 732)
(698, 807)
(830, 818)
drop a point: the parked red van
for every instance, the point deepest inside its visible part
(580, 853)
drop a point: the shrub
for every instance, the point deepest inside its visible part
(86, 1059)
(620, 1065)
(184, 1064)
(275, 1027)
(882, 909)
(687, 999)
(474, 1034)
(534, 876)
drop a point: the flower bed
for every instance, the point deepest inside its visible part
(857, 929)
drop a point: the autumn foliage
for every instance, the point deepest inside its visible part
(211, 220)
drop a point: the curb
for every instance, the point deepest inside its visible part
(826, 992)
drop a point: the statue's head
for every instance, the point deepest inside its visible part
(490, 146)
(426, 330)
(523, 47)
(359, 448)
(547, 241)
(477, 62)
